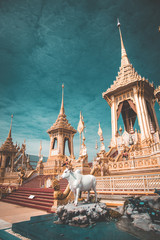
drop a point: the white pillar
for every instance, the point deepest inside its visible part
(113, 121)
(144, 118)
(72, 151)
(140, 121)
(155, 118)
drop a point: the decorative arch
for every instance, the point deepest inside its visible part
(64, 145)
(55, 143)
(129, 113)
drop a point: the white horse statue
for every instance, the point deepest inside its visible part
(78, 183)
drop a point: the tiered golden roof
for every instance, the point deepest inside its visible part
(8, 145)
(62, 122)
(127, 74)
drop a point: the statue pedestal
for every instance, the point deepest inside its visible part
(84, 214)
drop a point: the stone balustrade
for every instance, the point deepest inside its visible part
(123, 184)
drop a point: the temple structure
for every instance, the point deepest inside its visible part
(61, 137)
(132, 164)
(12, 157)
(133, 97)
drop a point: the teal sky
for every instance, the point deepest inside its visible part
(44, 43)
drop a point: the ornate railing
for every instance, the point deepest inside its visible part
(155, 148)
(135, 164)
(138, 183)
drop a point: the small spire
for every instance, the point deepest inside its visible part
(62, 105)
(10, 131)
(124, 58)
(100, 130)
(40, 149)
(83, 137)
(80, 127)
(96, 147)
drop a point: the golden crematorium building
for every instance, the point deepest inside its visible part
(132, 164)
(12, 158)
(133, 161)
(61, 137)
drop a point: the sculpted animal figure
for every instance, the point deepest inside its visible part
(78, 182)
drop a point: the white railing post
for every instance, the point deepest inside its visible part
(113, 184)
(110, 184)
(144, 184)
(147, 183)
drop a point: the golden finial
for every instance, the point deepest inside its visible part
(123, 50)
(9, 134)
(99, 130)
(62, 104)
(118, 23)
(40, 148)
(80, 127)
(96, 147)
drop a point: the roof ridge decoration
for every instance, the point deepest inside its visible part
(127, 73)
(62, 121)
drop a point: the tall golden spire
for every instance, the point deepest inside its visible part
(10, 131)
(124, 57)
(62, 104)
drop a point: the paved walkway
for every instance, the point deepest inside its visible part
(11, 213)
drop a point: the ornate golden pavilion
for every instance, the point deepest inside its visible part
(11, 158)
(133, 97)
(133, 160)
(61, 137)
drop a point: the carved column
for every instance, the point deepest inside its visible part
(72, 151)
(60, 143)
(2, 169)
(12, 158)
(155, 117)
(113, 121)
(144, 117)
(140, 121)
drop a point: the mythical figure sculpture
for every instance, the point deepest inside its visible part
(79, 183)
(21, 175)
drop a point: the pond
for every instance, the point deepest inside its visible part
(43, 228)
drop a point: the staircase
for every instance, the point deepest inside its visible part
(43, 197)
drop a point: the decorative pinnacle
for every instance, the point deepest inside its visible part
(62, 104)
(9, 134)
(125, 61)
(100, 130)
(40, 149)
(118, 23)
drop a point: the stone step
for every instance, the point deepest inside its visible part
(33, 193)
(31, 205)
(28, 194)
(21, 198)
(46, 190)
(34, 201)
